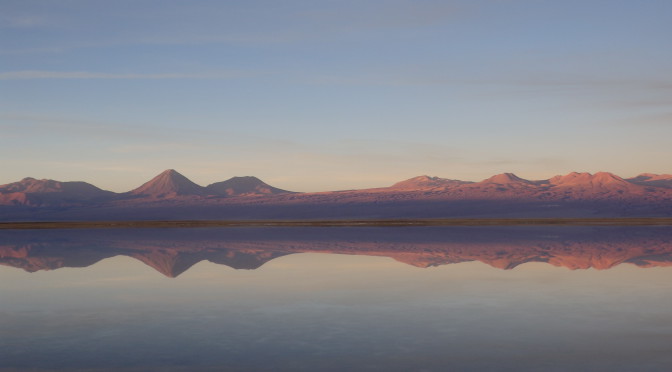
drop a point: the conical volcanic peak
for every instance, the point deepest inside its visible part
(606, 178)
(248, 185)
(426, 182)
(168, 184)
(506, 179)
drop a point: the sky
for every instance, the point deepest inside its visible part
(315, 95)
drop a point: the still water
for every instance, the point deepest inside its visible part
(337, 299)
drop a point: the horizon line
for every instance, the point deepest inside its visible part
(592, 174)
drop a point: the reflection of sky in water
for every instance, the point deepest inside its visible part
(317, 311)
(336, 312)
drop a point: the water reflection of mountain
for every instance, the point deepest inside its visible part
(173, 251)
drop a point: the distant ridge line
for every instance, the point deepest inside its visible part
(637, 221)
(172, 196)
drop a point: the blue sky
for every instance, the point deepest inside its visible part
(325, 95)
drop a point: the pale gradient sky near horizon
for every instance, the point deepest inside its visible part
(325, 95)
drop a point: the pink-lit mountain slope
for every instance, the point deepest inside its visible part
(171, 195)
(575, 186)
(505, 179)
(33, 192)
(171, 184)
(243, 186)
(427, 183)
(168, 184)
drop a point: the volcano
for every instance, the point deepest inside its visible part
(169, 184)
(243, 186)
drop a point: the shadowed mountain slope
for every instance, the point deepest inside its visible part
(655, 180)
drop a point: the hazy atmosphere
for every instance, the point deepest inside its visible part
(327, 95)
(335, 185)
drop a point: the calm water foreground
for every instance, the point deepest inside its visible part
(337, 299)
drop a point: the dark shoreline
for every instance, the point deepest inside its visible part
(341, 223)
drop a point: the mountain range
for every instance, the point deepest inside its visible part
(170, 195)
(173, 251)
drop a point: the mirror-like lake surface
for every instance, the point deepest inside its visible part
(337, 299)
